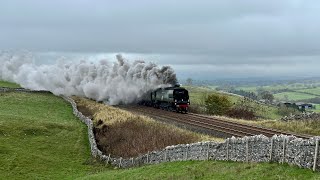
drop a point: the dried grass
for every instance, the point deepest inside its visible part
(124, 134)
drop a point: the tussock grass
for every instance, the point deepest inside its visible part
(124, 134)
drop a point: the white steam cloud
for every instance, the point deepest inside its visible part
(113, 82)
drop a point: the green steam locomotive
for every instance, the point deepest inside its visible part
(174, 98)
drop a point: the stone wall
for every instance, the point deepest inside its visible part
(282, 149)
(5, 89)
(302, 117)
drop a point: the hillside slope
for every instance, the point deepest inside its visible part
(40, 138)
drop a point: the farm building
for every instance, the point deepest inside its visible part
(299, 105)
(304, 105)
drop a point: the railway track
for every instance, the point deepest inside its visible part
(209, 123)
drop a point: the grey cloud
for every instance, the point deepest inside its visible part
(217, 33)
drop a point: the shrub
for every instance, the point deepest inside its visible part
(285, 111)
(217, 104)
(241, 113)
(197, 108)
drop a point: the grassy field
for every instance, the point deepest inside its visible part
(317, 109)
(8, 84)
(315, 91)
(210, 170)
(295, 86)
(293, 96)
(254, 88)
(41, 139)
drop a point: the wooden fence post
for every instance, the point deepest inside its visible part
(132, 162)
(148, 157)
(315, 155)
(271, 149)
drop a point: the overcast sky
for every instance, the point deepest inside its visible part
(205, 39)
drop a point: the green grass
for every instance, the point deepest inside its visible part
(9, 84)
(210, 170)
(266, 88)
(315, 91)
(317, 110)
(40, 138)
(293, 96)
(296, 86)
(197, 93)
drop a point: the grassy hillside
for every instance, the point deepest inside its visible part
(41, 139)
(8, 84)
(293, 96)
(197, 95)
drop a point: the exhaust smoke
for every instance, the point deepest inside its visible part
(112, 82)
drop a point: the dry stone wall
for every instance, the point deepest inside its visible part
(302, 117)
(282, 149)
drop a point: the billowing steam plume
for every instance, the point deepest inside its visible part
(118, 82)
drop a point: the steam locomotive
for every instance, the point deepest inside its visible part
(174, 98)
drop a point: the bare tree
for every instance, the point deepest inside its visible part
(189, 81)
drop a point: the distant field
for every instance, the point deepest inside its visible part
(8, 84)
(267, 88)
(293, 96)
(297, 86)
(315, 91)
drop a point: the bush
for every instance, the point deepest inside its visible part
(286, 111)
(245, 108)
(241, 113)
(217, 104)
